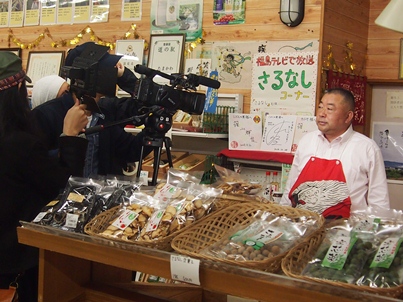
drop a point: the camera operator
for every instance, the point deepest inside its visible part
(29, 179)
(109, 150)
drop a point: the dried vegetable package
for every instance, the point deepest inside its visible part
(199, 201)
(341, 256)
(131, 217)
(233, 183)
(72, 211)
(384, 267)
(265, 237)
(359, 250)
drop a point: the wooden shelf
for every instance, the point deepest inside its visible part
(68, 262)
(184, 133)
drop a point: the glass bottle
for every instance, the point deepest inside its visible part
(275, 184)
(266, 189)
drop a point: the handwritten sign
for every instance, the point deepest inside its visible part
(304, 124)
(245, 131)
(278, 133)
(185, 269)
(284, 80)
(394, 104)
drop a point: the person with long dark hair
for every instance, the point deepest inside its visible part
(29, 178)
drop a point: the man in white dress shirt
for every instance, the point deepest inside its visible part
(336, 170)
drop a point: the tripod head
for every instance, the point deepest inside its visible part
(157, 121)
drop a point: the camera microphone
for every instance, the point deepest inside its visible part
(195, 79)
(149, 72)
(201, 80)
(145, 70)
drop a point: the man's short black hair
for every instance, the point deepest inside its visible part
(346, 94)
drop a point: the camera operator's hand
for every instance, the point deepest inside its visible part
(121, 69)
(75, 119)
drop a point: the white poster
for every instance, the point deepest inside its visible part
(304, 124)
(199, 67)
(233, 59)
(278, 133)
(394, 104)
(286, 81)
(245, 131)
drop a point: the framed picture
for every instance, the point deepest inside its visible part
(167, 53)
(133, 54)
(44, 63)
(389, 138)
(17, 51)
(401, 60)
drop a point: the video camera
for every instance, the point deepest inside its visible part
(180, 94)
(93, 71)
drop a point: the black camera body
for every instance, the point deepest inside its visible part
(171, 98)
(90, 74)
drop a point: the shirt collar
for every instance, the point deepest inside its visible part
(342, 138)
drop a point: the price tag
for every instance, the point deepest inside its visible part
(185, 269)
(144, 177)
(39, 216)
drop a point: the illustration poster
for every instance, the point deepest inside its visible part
(389, 138)
(228, 12)
(233, 60)
(245, 131)
(278, 133)
(285, 80)
(177, 17)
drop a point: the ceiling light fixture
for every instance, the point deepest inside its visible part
(292, 12)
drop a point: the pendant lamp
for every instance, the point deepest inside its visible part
(391, 16)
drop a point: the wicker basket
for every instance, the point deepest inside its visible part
(298, 257)
(202, 235)
(99, 224)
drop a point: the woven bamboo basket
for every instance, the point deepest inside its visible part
(202, 235)
(99, 224)
(298, 257)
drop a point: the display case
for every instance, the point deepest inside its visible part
(78, 267)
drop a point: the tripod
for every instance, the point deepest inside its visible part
(156, 143)
(157, 121)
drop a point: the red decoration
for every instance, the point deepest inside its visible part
(355, 84)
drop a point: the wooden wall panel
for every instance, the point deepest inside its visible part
(346, 21)
(262, 23)
(383, 47)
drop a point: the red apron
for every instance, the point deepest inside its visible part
(321, 187)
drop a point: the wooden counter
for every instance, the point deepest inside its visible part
(75, 266)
